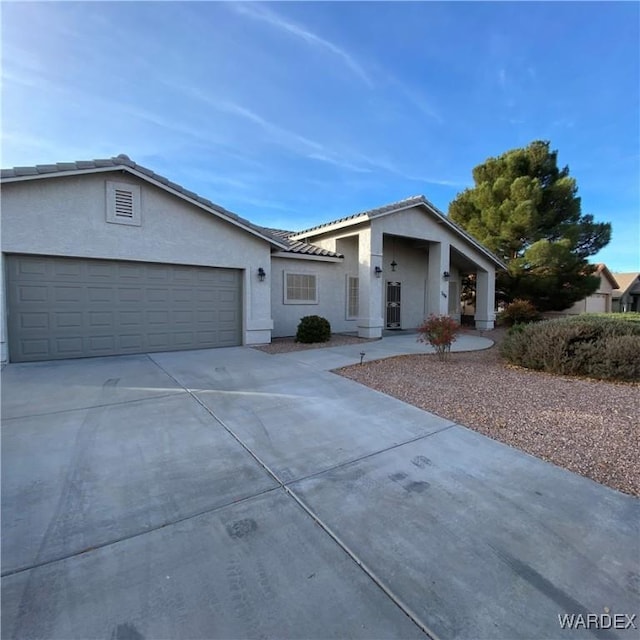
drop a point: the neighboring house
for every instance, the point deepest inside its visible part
(106, 257)
(627, 296)
(601, 300)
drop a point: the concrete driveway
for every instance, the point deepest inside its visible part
(233, 494)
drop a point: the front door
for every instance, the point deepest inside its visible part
(393, 305)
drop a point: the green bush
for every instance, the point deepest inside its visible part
(598, 346)
(313, 329)
(518, 312)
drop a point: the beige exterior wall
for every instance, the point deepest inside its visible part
(598, 302)
(332, 285)
(66, 216)
(421, 247)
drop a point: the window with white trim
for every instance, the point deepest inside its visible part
(300, 288)
(123, 203)
(353, 297)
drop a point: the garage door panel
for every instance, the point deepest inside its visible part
(67, 271)
(71, 347)
(68, 319)
(71, 307)
(100, 294)
(34, 320)
(32, 293)
(100, 319)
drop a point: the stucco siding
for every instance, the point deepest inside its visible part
(416, 223)
(66, 216)
(598, 302)
(411, 272)
(331, 304)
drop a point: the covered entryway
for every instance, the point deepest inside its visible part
(78, 307)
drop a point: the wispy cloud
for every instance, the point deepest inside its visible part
(338, 162)
(260, 12)
(291, 140)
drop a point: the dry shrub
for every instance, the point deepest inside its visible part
(599, 347)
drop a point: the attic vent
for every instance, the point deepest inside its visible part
(123, 203)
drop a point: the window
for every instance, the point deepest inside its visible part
(353, 298)
(123, 203)
(300, 288)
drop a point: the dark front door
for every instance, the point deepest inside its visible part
(393, 305)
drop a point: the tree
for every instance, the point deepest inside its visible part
(526, 210)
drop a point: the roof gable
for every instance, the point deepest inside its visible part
(395, 207)
(627, 282)
(124, 163)
(601, 269)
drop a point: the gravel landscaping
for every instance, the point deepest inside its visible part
(590, 427)
(285, 345)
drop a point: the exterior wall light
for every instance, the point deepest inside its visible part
(261, 274)
(394, 264)
(377, 271)
(446, 275)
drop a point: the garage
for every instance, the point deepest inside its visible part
(597, 303)
(61, 307)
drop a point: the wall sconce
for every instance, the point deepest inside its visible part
(446, 275)
(377, 271)
(261, 274)
(394, 264)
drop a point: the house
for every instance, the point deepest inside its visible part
(601, 300)
(106, 257)
(627, 296)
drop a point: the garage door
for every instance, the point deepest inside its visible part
(77, 308)
(596, 303)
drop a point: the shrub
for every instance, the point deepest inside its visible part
(596, 346)
(518, 312)
(440, 332)
(313, 329)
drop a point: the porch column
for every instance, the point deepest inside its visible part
(370, 320)
(485, 299)
(437, 286)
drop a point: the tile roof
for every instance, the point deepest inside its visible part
(298, 246)
(403, 204)
(625, 282)
(369, 213)
(123, 161)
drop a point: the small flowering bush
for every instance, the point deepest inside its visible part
(440, 332)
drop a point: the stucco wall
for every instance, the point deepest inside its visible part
(416, 223)
(411, 272)
(332, 285)
(598, 302)
(413, 262)
(66, 216)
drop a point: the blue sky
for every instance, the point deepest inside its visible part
(292, 114)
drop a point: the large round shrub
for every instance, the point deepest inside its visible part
(313, 329)
(606, 347)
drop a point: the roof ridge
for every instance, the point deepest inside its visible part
(376, 210)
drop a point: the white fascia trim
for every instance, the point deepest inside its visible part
(146, 178)
(304, 256)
